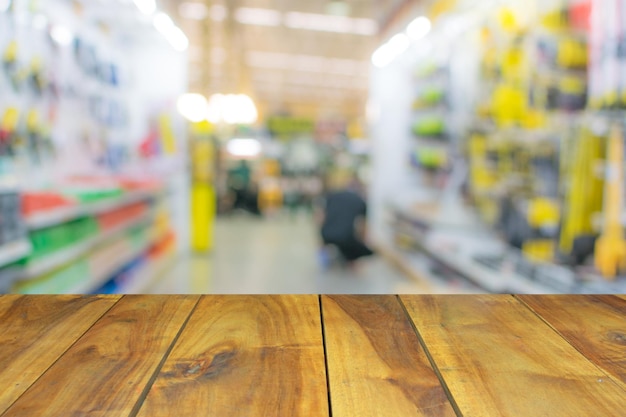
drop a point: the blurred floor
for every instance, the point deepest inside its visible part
(273, 256)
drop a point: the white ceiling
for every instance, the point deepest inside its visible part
(289, 62)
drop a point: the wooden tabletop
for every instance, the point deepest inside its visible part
(309, 355)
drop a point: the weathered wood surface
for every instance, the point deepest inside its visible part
(576, 318)
(35, 331)
(283, 355)
(376, 366)
(245, 356)
(498, 358)
(106, 371)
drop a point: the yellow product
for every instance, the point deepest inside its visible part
(509, 105)
(572, 53)
(534, 119)
(481, 176)
(203, 210)
(583, 196)
(10, 119)
(11, 52)
(270, 196)
(610, 254)
(168, 139)
(272, 168)
(543, 212)
(541, 250)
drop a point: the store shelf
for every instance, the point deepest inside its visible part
(64, 256)
(14, 251)
(146, 276)
(108, 271)
(65, 214)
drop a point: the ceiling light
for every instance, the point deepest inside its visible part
(146, 6)
(329, 23)
(231, 109)
(61, 35)
(162, 22)
(192, 106)
(418, 28)
(306, 63)
(193, 11)
(260, 17)
(387, 52)
(244, 147)
(174, 35)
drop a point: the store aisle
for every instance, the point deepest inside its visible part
(268, 256)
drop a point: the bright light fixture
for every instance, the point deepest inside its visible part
(390, 50)
(256, 16)
(330, 23)
(163, 22)
(174, 35)
(305, 63)
(418, 28)
(244, 147)
(192, 107)
(231, 109)
(193, 11)
(61, 35)
(146, 6)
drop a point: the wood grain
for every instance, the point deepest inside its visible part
(35, 331)
(245, 356)
(622, 296)
(595, 325)
(376, 366)
(499, 359)
(105, 371)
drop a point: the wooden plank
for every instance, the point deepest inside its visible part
(245, 356)
(622, 296)
(35, 331)
(499, 359)
(595, 325)
(104, 372)
(376, 366)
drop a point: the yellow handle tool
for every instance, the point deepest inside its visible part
(610, 254)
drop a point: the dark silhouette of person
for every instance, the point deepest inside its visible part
(342, 222)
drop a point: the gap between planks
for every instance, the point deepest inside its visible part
(323, 329)
(63, 353)
(146, 390)
(433, 364)
(562, 336)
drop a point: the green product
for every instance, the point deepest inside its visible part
(93, 195)
(429, 98)
(60, 281)
(431, 158)
(431, 126)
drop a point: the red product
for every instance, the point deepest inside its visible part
(122, 215)
(34, 202)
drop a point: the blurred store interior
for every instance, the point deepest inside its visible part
(312, 146)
